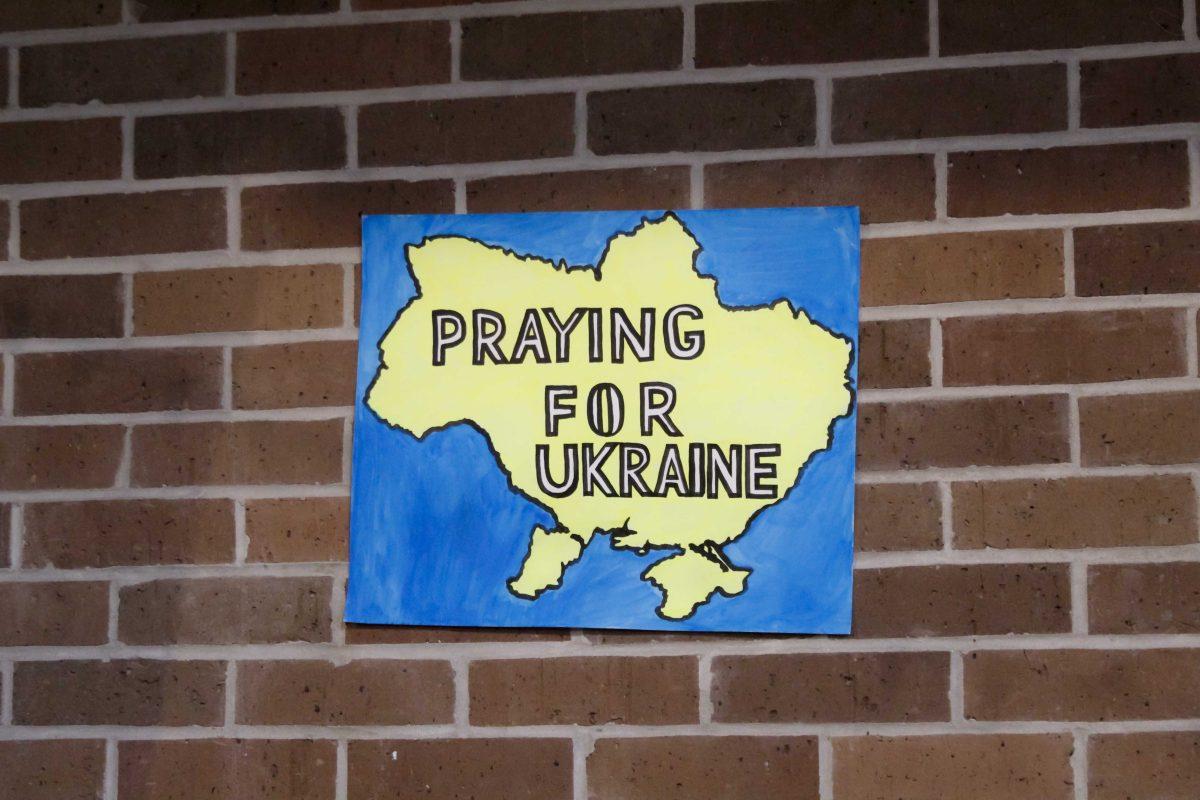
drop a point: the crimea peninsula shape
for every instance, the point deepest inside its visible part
(746, 397)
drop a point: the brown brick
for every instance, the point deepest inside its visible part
(950, 102)
(994, 431)
(397, 634)
(1067, 180)
(585, 691)
(228, 142)
(592, 190)
(467, 130)
(91, 381)
(1160, 765)
(1140, 429)
(885, 188)
(893, 353)
(982, 26)
(67, 769)
(345, 57)
(225, 611)
(254, 769)
(1082, 685)
(592, 43)
(1144, 598)
(1065, 347)
(327, 214)
(713, 767)
(450, 769)
(23, 16)
(736, 34)
(172, 10)
(897, 516)
(714, 116)
(119, 692)
(295, 375)
(123, 70)
(1155, 258)
(1071, 513)
(832, 687)
(1140, 91)
(60, 306)
(66, 613)
(298, 529)
(982, 766)
(123, 224)
(951, 600)
(111, 533)
(60, 150)
(956, 267)
(59, 456)
(357, 693)
(237, 452)
(238, 298)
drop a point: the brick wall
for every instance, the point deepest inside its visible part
(181, 181)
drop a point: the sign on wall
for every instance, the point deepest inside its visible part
(607, 420)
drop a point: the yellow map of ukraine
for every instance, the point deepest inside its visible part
(766, 375)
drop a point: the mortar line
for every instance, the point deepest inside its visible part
(937, 362)
(127, 301)
(704, 669)
(347, 446)
(456, 50)
(946, 495)
(462, 693)
(241, 540)
(350, 123)
(114, 610)
(227, 378)
(110, 769)
(14, 71)
(1191, 333)
(13, 245)
(696, 185)
(582, 744)
(233, 217)
(9, 390)
(337, 607)
(127, 153)
(349, 296)
(688, 44)
(231, 682)
(122, 479)
(581, 125)
(341, 779)
(941, 179)
(6, 693)
(1079, 598)
(1189, 20)
(16, 537)
(1074, 429)
(1194, 172)
(934, 33)
(1068, 262)
(957, 694)
(1074, 101)
(823, 98)
(825, 768)
(1079, 763)
(230, 64)
(460, 196)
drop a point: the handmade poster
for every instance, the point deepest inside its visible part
(637, 420)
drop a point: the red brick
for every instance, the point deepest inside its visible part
(60, 306)
(397, 634)
(1144, 598)
(593, 43)
(1066, 347)
(123, 224)
(886, 188)
(893, 354)
(1140, 429)
(237, 452)
(1154, 258)
(714, 116)
(951, 600)
(67, 769)
(1134, 511)
(119, 692)
(327, 214)
(1140, 91)
(470, 129)
(237, 298)
(295, 375)
(357, 693)
(60, 150)
(981, 766)
(592, 190)
(59, 456)
(230, 142)
(449, 769)
(65, 613)
(981, 26)
(999, 431)
(737, 34)
(172, 10)
(957, 267)
(23, 16)
(346, 57)
(950, 102)
(225, 611)
(584, 691)
(298, 529)
(897, 516)
(1160, 765)
(832, 687)
(111, 533)
(123, 70)
(92, 381)
(1082, 685)
(712, 767)
(255, 769)
(1067, 180)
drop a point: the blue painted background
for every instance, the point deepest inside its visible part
(435, 530)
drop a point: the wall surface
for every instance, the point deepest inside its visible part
(180, 183)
